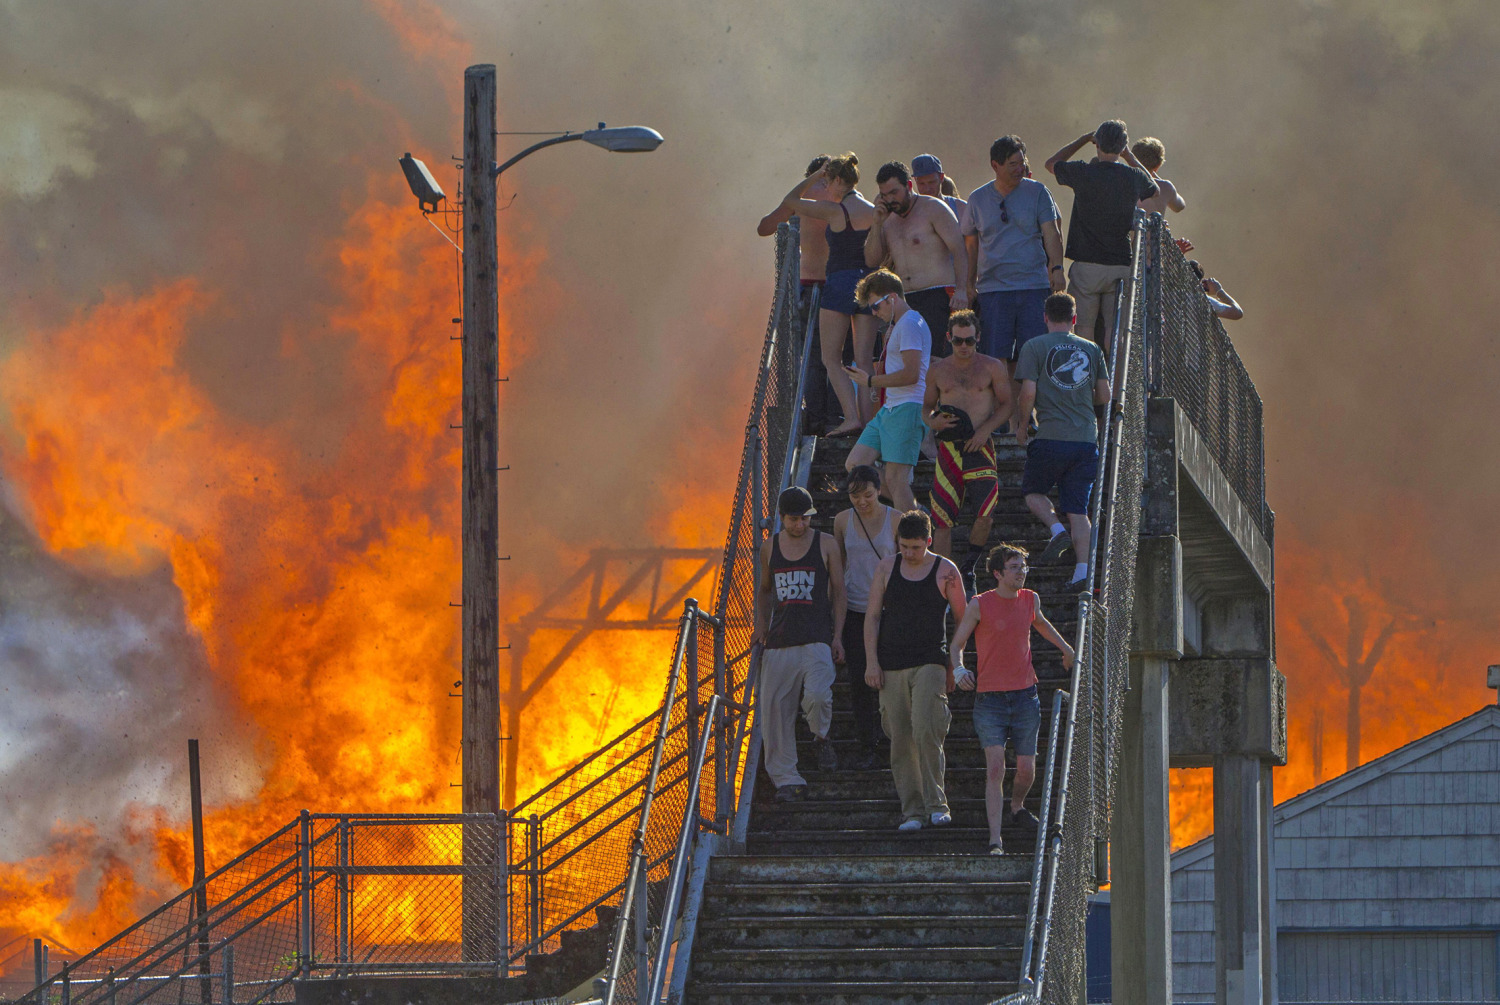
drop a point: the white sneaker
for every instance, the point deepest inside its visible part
(942, 818)
(911, 824)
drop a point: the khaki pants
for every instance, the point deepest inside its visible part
(914, 713)
(787, 675)
(1095, 288)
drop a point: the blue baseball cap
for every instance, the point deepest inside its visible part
(925, 164)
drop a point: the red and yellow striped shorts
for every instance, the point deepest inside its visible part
(955, 469)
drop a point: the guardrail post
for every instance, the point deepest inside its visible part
(67, 986)
(109, 986)
(722, 783)
(693, 676)
(642, 937)
(305, 895)
(228, 960)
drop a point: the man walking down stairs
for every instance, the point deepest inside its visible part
(830, 903)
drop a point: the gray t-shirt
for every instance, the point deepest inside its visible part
(1064, 367)
(1011, 254)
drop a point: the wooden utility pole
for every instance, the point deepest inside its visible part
(485, 929)
(481, 509)
(200, 891)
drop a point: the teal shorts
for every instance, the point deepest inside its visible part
(897, 433)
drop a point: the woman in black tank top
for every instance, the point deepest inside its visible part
(913, 620)
(849, 217)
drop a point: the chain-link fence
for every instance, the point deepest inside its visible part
(323, 895)
(1190, 358)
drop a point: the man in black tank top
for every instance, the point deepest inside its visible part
(799, 620)
(906, 647)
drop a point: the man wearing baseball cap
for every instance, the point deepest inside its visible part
(799, 620)
(927, 175)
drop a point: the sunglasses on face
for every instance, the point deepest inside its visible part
(876, 304)
(970, 340)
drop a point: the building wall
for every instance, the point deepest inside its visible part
(1408, 843)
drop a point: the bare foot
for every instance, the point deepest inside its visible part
(845, 429)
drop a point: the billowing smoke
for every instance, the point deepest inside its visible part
(233, 167)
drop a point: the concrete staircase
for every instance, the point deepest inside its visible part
(830, 903)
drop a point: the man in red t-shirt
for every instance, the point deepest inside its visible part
(1006, 704)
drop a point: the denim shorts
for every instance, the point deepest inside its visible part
(1008, 319)
(838, 291)
(1013, 714)
(896, 431)
(1071, 466)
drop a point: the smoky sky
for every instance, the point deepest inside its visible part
(1338, 158)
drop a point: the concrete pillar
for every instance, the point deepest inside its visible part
(1241, 884)
(1270, 991)
(1141, 845)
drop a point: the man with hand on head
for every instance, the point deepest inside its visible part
(1007, 704)
(1105, 193)
(968, 397)
(1064, 377)
(1151, 154)
(906, 658)
(799, 620)
(920, 236)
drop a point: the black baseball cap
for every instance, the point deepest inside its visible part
(795, 501)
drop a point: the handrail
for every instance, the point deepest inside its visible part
(1039, 855)
(638, 844)
(690, 824)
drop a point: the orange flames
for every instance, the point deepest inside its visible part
(319, 585)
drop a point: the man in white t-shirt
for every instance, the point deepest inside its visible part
(894, 436)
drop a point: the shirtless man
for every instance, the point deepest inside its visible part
(1152, 154)
(968, 397)
(920, 235)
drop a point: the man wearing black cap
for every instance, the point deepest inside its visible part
(799, 621)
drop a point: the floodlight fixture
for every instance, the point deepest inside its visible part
(423, 185)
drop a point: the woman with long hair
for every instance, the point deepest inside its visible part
(848, 216)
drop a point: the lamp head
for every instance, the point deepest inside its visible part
(624, 139)
(425, 187)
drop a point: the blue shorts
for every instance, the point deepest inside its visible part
(1008, 319)
(897, 433)
(838, 291)
(1071, 466)
(1013, 714)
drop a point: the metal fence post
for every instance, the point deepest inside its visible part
(305, 897)
(642, 937)
(345, 894)
(109, 986)
(722, 783)
(693, 676)
(534, 878)
(228, 960)
(67, 986)
(502, 895)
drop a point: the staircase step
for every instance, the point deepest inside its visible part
(954, 839)
(848, 992)
(869, 868)
(863, 963)
(914, 898)
(852, 931)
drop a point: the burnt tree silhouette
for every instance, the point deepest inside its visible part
(1357, 663)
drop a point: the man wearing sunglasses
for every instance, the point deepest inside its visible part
(894, 436)
(968, 396)
(1013, 235)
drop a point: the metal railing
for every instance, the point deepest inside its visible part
(324, 895)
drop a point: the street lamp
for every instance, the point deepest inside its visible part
(617, 139)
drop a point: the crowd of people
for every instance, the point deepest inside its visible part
(942, 323)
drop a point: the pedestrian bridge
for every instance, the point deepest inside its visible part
(657, 869)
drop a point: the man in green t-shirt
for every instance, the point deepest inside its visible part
(1064, 377)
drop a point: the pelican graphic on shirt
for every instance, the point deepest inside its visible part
(1068, 367)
